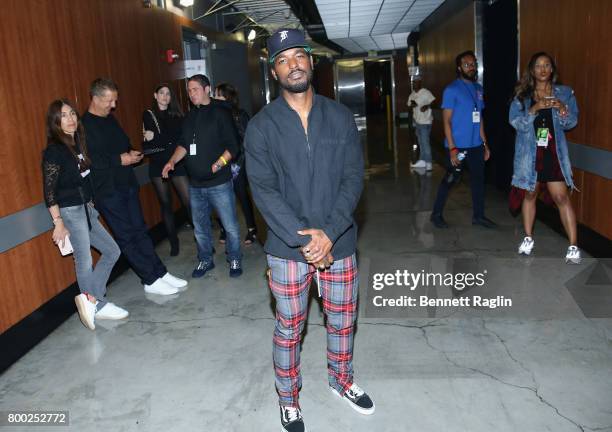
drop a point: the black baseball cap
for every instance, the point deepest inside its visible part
(283, 39)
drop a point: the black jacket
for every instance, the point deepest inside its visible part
(213, 129)
(106, 141)
(304, 181)
(63, 184)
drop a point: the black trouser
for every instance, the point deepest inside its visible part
(123, 214)
(164, 194)
(474, 159)
(241, 189)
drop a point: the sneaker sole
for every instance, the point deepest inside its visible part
(285, 430)
(355, 407)
(108, 317)
(81, 308)
(173, 291)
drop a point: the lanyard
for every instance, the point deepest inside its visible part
(471, 94)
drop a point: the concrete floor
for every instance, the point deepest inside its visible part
(201, 360)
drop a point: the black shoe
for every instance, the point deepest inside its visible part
(484, 222)
(202, 268)
(222, 236)
(438, 221)
(251, 236)
(235, 268)
(291, 419)
(357, 399)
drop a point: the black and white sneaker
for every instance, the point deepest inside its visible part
(357, 399)
(291, 419)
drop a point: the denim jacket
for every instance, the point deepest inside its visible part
(525, 175)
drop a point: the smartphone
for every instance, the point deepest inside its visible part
(66, 249)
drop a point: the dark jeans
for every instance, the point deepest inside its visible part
(474, 160)
(123, 214)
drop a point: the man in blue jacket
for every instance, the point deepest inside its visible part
(305, 168)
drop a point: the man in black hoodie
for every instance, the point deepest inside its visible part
(305, 168)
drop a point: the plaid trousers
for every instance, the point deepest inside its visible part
(289, 282)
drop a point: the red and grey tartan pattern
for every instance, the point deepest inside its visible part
(289, 282)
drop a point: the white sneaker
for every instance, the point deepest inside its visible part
(419, 164)
(111, 311)
(428, 166)
(160, 287)
(526, 246)
(573, 255)
(87, 311)
(174, 281)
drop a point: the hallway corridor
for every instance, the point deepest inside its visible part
(201, 360)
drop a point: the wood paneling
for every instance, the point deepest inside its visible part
(439, 44)
(402, 82)
(55, 49)
(584, 58)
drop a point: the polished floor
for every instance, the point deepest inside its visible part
(201, 360)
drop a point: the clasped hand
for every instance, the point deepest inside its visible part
(317, 251)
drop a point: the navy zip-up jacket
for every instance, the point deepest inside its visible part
(301, 180)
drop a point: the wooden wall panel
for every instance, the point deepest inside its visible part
(57, 52)
(583, 55)
(584, 59)
(402, 82)
(29, 82)
(596, 199)
(32, 274)
(439, 44)
(324, 78)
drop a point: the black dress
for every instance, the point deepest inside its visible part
(547, 162)
(166, 136)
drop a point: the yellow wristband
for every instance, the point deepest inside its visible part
(223, 159)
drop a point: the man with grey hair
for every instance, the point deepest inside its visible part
(116, 189)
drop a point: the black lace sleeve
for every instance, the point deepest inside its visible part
(51, 173)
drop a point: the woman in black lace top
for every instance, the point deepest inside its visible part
(68, 195)
(161, 127)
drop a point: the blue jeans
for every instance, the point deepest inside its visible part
(221, 198)
(423, 131)
(91, 280)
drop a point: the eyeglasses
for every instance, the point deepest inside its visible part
(468, 65)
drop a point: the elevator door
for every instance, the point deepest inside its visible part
(350, 85)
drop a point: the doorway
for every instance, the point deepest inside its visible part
(379, 91)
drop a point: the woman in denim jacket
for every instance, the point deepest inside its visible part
(540, 112)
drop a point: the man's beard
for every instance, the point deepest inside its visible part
(299, 87)
(469, 77)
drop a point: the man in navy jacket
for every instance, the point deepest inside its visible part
(305, 167)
